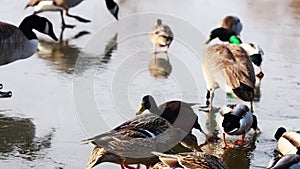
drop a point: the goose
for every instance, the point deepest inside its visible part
(21, 42)
(64, 5)
(178, 113)
(288, 142)
(161, 35)
(232, 23)
(238, 120)
(227, 66)
(289, 161)
(188, 160)
(133, 141)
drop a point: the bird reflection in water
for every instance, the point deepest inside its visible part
(160, 67)
(61, 55)
(17, 138)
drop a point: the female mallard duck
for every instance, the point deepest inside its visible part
(288, 141)
(161, 35)
(228, 66)
(289, 161)
(133, 141)
(178, 113)
(188, 160)
(238, 120)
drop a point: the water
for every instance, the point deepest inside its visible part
(85, 85)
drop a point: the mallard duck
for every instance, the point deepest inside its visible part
(133, 141)
(232, 23)
(255, 53)
(227, 66)
(238, 120)
(160, 67)
(178, 113)
(288, 141)
(188, 160)
(224, 35)
(161, 35)
(289, 161)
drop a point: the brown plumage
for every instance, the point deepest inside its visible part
(227, 66)
(161, 35)
(190, 160)
(133, 141)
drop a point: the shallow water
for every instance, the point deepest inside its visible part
(85, 85)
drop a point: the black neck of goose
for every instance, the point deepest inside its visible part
(110, 4)
(26, 28)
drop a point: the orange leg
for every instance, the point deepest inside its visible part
(226, 145)
(241, 142)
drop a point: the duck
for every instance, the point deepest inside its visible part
(224, 35)
(228, 30)
(21, 42)
(133, 141)
(188, 160)
(178, 113)
(289, 161)
(161, 35)
(255, 52)
(238, 120)
(227, 66)
(288, 142)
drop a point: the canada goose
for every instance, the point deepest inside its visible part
(289, 161)
(113, 8)
(21, 42)
(178, 113)
(238, 120)
(227, 66)
(288, 141)
(232, 23)
(133, 141)
(188, 160)
(161, 35)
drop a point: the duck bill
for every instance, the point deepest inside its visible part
(140, 110)
(207, 40)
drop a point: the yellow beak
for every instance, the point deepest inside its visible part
(207, 40)
(140, 110)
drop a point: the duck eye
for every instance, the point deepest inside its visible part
(156, 32)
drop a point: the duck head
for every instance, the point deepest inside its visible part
(148, 103)
(279, 133)
(224, 35)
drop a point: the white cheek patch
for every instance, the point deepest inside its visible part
(47, 26)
